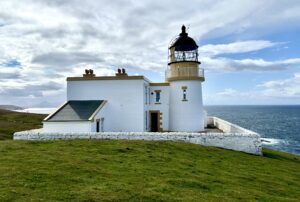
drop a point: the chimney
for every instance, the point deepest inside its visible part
(121, 72)
(89, 73)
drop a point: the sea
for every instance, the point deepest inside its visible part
(279, 126)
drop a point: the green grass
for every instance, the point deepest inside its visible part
(108, 170)
(11, 122)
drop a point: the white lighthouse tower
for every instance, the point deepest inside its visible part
(185, 78)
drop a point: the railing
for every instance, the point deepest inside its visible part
(184, 72)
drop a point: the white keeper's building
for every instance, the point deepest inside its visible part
(124, 103)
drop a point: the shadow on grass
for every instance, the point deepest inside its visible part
(268, 153)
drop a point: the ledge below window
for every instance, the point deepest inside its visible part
(184, 100)
(157, 103)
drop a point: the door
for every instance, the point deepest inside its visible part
(154, 120)
(98, 125)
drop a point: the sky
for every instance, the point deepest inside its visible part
(249, 49)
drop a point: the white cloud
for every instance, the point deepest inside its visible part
(285, 91)
(9, 73)
(287, 88)
(258, 65)
(55, 39)
(236, 47)
(228, 92)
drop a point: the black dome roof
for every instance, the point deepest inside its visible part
(184, 42)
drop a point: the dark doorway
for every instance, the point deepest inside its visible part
(98, 126)
(154, 118)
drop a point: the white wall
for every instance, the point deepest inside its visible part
(186, 115)
(125, 101)
(163, 107)
(66, 127)
(127, 104)
(103, 113)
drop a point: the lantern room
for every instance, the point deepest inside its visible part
(183, 59)
(184, 48)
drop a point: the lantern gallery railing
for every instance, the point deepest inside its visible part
(184, 72)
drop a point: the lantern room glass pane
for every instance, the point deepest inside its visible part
(184, 56)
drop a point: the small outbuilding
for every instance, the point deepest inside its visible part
(76, 116)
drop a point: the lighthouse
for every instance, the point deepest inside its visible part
(185, 78)
(132, 103)
(132, 107)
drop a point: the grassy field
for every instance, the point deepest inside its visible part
(107, 170)
(83, 170)
(11, 122)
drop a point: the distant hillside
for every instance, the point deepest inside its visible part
(10, 107)
(11, 122)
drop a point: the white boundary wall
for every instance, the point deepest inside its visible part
(235, 137)
(226, 126)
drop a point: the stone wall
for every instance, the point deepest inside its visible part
(249, 143)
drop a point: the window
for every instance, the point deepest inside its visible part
(146, 95)
(184, 94)
(149, 96)
(184, 88)
(157, 96)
